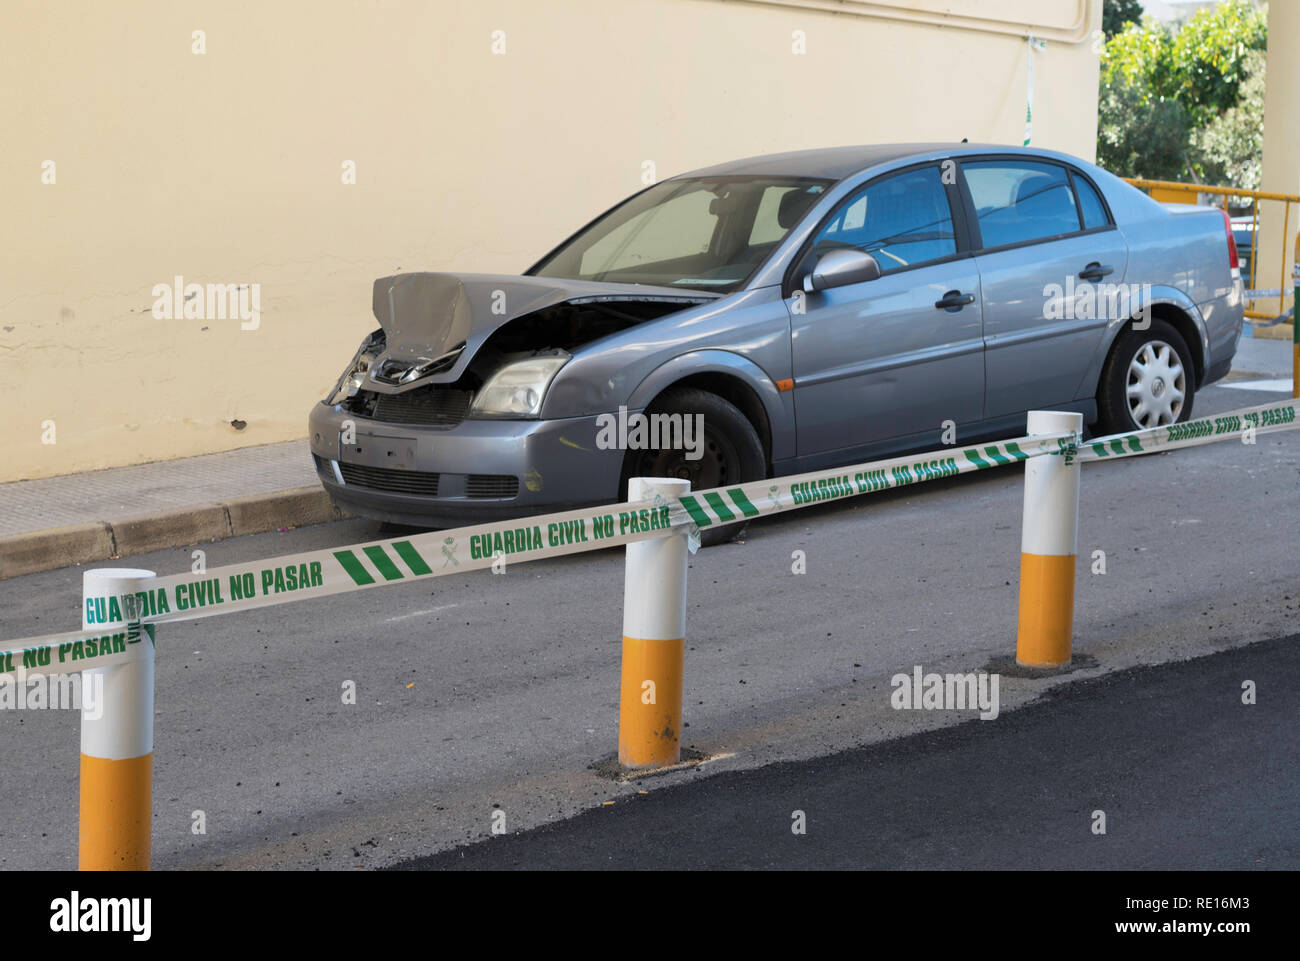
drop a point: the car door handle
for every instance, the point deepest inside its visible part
(1095, 271)
(954, 300)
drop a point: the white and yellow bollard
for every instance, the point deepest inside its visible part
(654, 639)
(1048, 543)
(117, 736)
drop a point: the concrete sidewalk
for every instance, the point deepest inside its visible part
(102, 515)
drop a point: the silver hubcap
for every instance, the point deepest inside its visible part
(1156, 385)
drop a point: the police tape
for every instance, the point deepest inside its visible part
(323, 573)
(1246, 424)
(758, 498)
(34, 657)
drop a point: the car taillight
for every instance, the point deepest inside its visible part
(1233, 262)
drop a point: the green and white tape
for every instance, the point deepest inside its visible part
(726, 505)
(67, 653)
(323, 573)
(1244, 424)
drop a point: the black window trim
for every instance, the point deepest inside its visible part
(1101, 199)
(957, 212)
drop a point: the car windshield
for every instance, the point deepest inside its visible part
(705, 233)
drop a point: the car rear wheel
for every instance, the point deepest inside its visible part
(1149, 381)
(730, 452)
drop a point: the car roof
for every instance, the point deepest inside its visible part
(836, 163)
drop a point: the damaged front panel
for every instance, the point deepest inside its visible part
(443, 335)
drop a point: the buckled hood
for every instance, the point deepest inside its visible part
(436, 322)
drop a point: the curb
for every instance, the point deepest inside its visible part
(46, 550)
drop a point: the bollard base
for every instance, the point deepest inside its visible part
(650, 703)
(610, 769)
(1045, 628)
(116, 813)
(1008, 666)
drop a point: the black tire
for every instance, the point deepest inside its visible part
(732, 452)
(1114, 413)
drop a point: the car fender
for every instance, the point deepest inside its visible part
(1147, 295)
(778, 405)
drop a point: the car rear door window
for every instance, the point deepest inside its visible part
(1094, 214)
(1018, 201)
(901, 220)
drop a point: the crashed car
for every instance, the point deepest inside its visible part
(803, 310)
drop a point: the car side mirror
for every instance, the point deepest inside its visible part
(839, 268)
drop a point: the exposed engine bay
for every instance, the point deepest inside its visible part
(557, 329)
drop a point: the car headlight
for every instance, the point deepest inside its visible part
(354, 375)
(517, 389)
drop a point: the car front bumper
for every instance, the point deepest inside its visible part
(474, 472)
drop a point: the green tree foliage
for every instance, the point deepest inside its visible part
(1210, 54)
(1141, 136)
(1185, 104)
(1116, 13)
(1229, 148)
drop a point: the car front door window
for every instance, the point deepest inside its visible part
(902, 220)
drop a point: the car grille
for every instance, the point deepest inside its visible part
(491, 485)
(394, 481)
(442, 406)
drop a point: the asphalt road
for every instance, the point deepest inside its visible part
(486, 692)
(1186, 775)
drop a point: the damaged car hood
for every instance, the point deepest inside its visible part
(434, 323)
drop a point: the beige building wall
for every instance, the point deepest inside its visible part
(1281, 167)
(131, 159)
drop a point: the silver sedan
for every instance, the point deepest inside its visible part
(781, 314)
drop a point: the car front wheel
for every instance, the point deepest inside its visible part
(729, 450)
